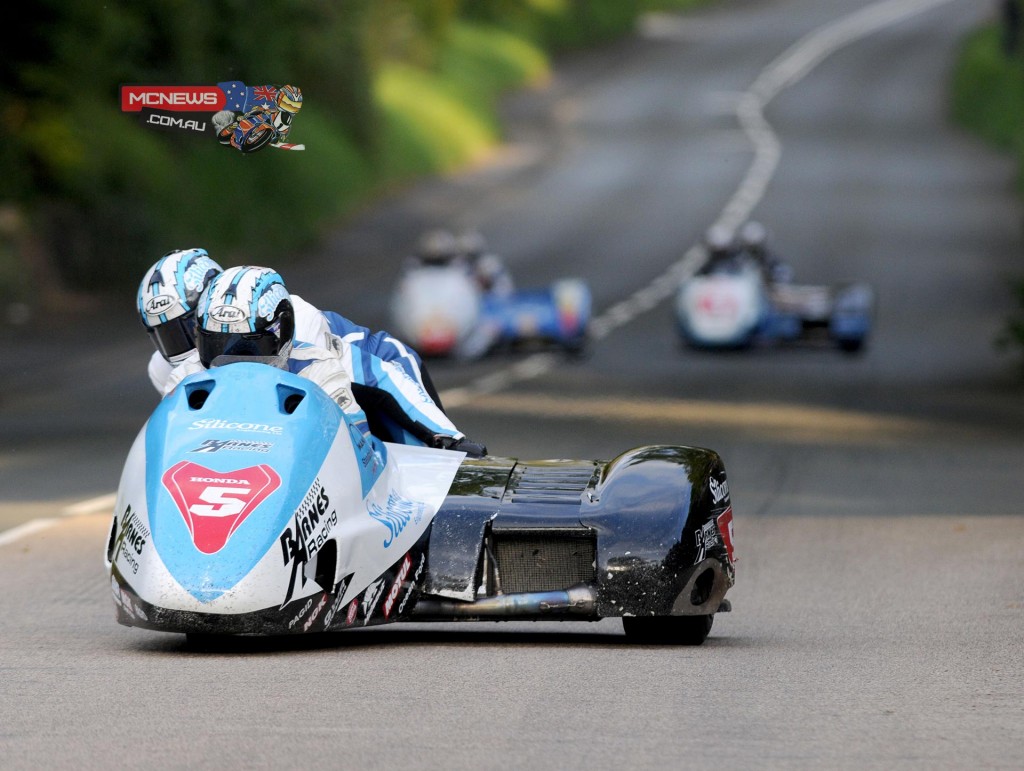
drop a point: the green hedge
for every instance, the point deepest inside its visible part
(988, 99)
(988, 90)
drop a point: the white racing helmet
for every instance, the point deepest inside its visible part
(245, 314)
(168, 296)
(718, 238)
(437, 246)
(753, 235)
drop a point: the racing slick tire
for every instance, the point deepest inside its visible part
(668, 630)
(851, 345)
(578, 347)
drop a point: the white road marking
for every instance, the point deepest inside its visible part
(787, 70)
(95, 505)
(92, 506)
(32, 526)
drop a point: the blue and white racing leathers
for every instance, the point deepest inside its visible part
(380, 344)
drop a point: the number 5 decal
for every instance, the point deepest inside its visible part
(213, 503)
(221, 504)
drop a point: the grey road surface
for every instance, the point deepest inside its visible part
(879, 605)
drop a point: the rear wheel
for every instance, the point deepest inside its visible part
(576, 347)
(667, 630)
(851, 345)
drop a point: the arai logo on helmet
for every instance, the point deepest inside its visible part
(159, 304)
(228, 314)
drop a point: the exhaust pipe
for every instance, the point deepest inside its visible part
(577, 601)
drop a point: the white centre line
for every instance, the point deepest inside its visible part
(32, 526)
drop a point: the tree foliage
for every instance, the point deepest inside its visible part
(91, 197)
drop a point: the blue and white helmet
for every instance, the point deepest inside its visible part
(245, 314)
(753, 235)
(168, 296)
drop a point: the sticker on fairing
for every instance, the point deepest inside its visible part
(725, 529)
(214, 504)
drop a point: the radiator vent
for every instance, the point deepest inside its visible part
(544, 559)
(554, 483)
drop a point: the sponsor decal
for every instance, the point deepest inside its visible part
(371, 596)
(213, 504)
(725, 528)
(262, 428)
(267, 304)
(236, 445)
(130, 608)
(353, 608)
(302, 612)
(707, 537)
(719, 490)
(139, 612)
(311, 527)
(316, 612)
(131, 539)
(339, 594)
(397, 373)
(415, 580)
(371, 462)
(396, 515)
(396, 587)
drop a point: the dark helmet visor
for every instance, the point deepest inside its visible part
(250, 344)
(174, 338)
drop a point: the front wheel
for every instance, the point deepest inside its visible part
(851, 345)
(667, 630)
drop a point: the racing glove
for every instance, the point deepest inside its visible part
(466, 445)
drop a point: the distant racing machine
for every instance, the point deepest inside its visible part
(737, 299)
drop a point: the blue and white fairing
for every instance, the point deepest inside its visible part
(723, 308)
(732, 304)
(441, 310)
(250, 502)
(558, 314)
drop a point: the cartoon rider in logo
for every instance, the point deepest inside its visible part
(264, 124)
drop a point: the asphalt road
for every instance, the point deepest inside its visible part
(879, 603)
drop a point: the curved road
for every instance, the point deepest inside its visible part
(880, 597)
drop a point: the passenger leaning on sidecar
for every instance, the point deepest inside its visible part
(167, 301)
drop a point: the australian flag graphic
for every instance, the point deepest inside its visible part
(242, 98)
